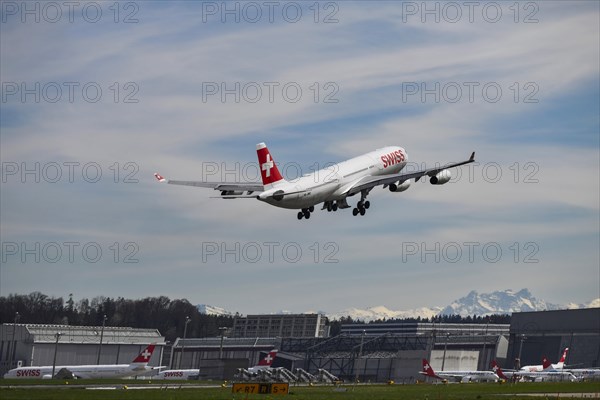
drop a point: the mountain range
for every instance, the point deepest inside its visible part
(474, 303)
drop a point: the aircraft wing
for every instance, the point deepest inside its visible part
(222, 186)
(370, 182)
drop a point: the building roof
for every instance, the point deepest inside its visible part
(46, 333)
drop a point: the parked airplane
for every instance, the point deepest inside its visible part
(539, 368)
(579, 373)
(190, 374)
(459, 376)
(138, 366)
(330, 186)
(533, 376)
(264, 363)
(178, 374)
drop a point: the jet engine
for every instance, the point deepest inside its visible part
(441, 177)
(394, 187)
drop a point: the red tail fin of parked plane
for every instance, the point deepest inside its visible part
(498, 371)
(561, 362)
(268, 359)
(546, 364)
(268, 170)
(145, 355)
(427, 370)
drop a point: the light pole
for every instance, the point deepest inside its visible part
(222, 329)
(485, 342)
(445, 347)
(523, 337)
(360, 350)
(187, 321)
(57, 335)
(14, 348)
(101, 337)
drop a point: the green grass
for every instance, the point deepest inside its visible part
(367, 392)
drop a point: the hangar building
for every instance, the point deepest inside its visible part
(546, 333)
(33, 344)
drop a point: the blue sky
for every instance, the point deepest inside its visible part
(534, 193)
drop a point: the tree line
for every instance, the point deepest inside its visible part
(162, 313)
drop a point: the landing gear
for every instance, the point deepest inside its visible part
(330, 206)
(363, 205)
(305, 213)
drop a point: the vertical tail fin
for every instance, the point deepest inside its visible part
(145, 355)
(268, 360)
(546, 364)
(427, 370)
(268, 170)
(561, 362)
(498, 371)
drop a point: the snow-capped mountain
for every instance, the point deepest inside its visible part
(382, 312)
(498, 302)
(212, 310)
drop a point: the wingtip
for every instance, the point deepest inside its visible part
(159, 177)
(472, 158)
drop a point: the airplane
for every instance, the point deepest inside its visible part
(580, 373)
(533, 376)
(539, 368)
(459, 376)
(178, 374)
(264, 363)
(330, 186)
(138, 366)
(190, 374)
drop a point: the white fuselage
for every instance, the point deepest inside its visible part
(468, 376)
(178, 374)
(79, 371)
(331, 183)
(540, 368)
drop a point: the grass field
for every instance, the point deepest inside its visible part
(9, 391)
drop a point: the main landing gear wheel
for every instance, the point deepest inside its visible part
(305, 212)
(355, 212)
(334, 207)
(367, 204)
(362, 211)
